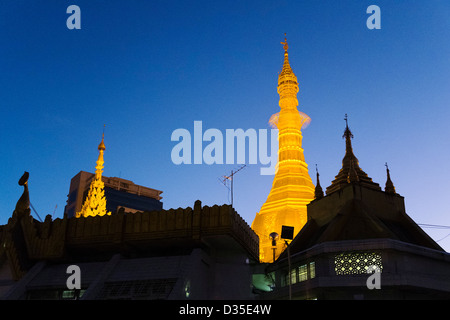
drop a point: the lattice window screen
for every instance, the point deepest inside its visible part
(356, 262)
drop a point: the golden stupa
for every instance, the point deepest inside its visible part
(292, 187)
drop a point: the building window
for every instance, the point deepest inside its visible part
(54, 294)
(140, 289)
(293, 276)
(72, 294)
(356, 262)
(303, 273)
(312, 270)
(300, 273)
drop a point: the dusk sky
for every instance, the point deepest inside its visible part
(147, 68)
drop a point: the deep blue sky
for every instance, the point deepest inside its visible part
(146, 68)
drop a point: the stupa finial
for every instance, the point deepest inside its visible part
(318, 191)
(389, 187)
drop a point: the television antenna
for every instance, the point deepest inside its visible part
(37, 214)
(230, 177)
(54, 210)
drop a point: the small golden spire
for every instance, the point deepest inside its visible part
(101, 146)
(95, 202)
(100, 161)
(287, 81)
(285, 44)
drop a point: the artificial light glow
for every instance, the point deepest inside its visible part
(292, 187)
(95, 203)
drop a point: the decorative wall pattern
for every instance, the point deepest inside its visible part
(356, 262)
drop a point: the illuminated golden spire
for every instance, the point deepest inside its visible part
(287, 81)
(292, 187)
(95, 203)
(100, 161)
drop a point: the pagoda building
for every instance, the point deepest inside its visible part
(292, 187)
(354, 231)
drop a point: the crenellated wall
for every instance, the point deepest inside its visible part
(57, 239)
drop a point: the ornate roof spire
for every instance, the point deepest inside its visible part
(348, 136)
(318, 192)
(101, 146)
(350, 171)
(286, 66)
(287, 81)
(100, 161)
(389, 188)
(95, 203)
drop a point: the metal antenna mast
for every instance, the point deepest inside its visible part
(230, 177)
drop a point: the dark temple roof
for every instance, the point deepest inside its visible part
(350, 171)
(358, 213)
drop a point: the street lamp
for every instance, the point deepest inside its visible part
(274, 236)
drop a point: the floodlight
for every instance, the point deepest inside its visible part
(287, 232)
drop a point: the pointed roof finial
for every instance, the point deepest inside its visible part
(285, 44)
(352, 175)
(350, 171)
(389, 187)
(318, 191)
(347, 133)
(100, 161)
(102, 146)
(287, 81)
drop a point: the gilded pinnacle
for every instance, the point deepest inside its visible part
(287, 81)
(101, 146)
(292, 187)
(95, 202)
